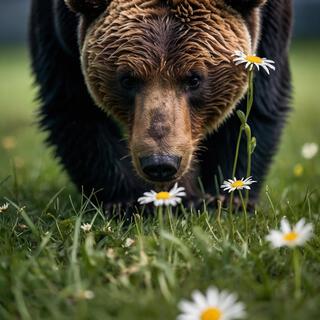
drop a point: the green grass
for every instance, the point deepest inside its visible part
(47, 261)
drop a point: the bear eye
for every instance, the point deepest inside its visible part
(128, 82)
(193, 82)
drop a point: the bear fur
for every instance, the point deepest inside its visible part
(97, 131)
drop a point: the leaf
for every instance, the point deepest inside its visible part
(253, 144)
(241, 116)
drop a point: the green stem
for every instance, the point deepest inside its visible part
(297, 273)
(219, 209)
(249, 95)
(160, 217)
(249, 139)
(161, 228)
(235, 163)
(249, 161)
(231, 204)
(249, 151)
(230, 220)
(245, 214)
(248, 175)
(170, 217)
(235, 167)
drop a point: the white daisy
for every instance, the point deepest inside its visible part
(86, 227)
(253, 60)
(85, 295)
(173, 197)
(128, 243)
(309, 150)
(291, 237)
(111, 253)
(214, 305)
(4, 207)
(235, 184)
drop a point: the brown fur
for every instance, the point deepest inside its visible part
(160, 45)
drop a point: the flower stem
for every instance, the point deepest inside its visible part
(297, 273)
(235, 163)
(249, 137)
(219, 209)
(161, 227)
(160, 217)
(235, 168)
(170, 217)
(248, 169)
(250, 95)
(248, 109)
(245, 214)
(249, 149)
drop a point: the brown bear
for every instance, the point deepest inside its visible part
(139, 94)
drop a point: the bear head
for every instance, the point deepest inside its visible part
(163, 69)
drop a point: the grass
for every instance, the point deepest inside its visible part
(49, 267)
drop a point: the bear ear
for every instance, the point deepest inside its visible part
(88, 7)
(245, 6)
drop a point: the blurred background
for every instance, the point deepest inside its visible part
(24, 158)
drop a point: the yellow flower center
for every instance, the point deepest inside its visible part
(254, 59)
(163, 195)
(298, 170)
(237, 184)
(290, 236)
(211, 314)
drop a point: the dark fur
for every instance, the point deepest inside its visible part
(90, 144)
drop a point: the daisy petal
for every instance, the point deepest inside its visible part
(212, 296)
(239, 62)
(199, 299)
(285, 226)
(300, 225)
(266, 69)
(268, 61)
(187, 307)
(187, 317)
(270, 66)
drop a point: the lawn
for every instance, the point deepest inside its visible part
(51, 269)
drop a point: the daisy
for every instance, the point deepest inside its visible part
(173, 197)
(291, 237)
(4, 207)
(111, 253)
(86, 227)
(309, 150)
(85, 295)
(128, 243)
(9, 143)
(236, 184)
(214, 305)
(298, 170)
(253, 60)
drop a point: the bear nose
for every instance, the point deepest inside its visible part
(160, 167)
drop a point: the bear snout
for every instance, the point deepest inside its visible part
(160, 168)
(161, 141)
